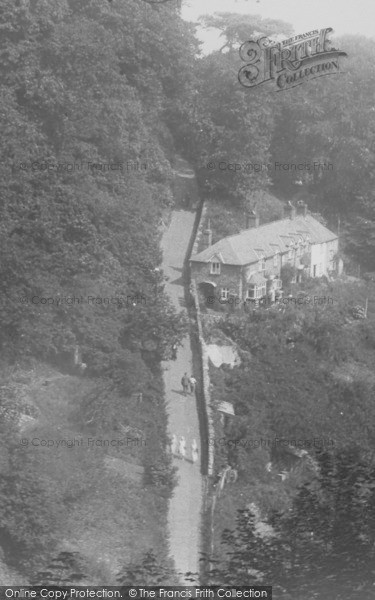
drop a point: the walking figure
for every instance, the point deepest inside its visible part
(182, 447)
(174, 444)
(174, 351)
(192, 383)
(194, 451)
(185, 384)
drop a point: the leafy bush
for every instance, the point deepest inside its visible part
(287, 274)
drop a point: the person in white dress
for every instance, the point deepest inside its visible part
(182, 447)
(192, 383)
(174, 444)
(194, 451)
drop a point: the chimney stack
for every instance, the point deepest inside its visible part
(252, 219)
(289, 211)
(207, 235)
(301, 208)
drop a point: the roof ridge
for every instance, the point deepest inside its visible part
(266, 224)
(250, 242)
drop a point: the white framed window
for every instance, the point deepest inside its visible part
(278, 283)
(215, 268)
(250, 294)
(224, 293)
(255, 292)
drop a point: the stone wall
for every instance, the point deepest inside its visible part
(205, 383)
(204, 357)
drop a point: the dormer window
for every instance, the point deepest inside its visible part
(215, 268)
(262, 264)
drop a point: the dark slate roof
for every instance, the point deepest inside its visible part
(248, 246)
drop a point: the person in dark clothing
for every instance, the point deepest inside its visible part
(174, 351)
(185, 384)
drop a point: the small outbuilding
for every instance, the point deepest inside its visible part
(226, 411)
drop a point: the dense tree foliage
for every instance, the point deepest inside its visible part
(305, 384)
(326, 124)
(309, 375)
(322, 547)
(29, 509)
(86, 157)
(64, 569)
(331, 122)
(77, 87)
(224, 125)
(150, 570)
